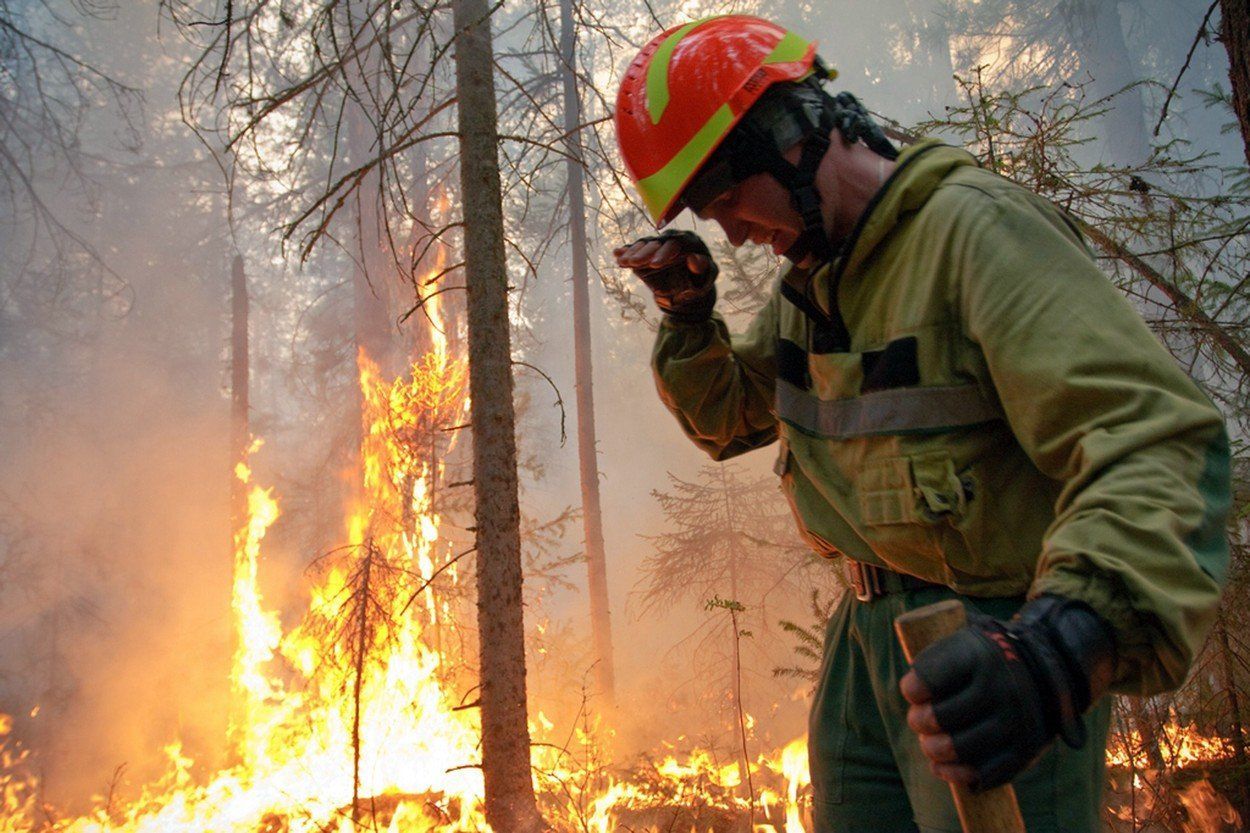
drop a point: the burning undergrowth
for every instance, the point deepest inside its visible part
(1173, 777)
(362, 715)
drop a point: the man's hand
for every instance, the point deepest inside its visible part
(678, 269)
(989, 699)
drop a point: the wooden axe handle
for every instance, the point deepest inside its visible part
(992, 811)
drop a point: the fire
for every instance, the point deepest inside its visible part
(352, 718)
(17, 787)
(352, 713)
(257, 632)
(1208, 811)
(1154, 770)
(1178, 745)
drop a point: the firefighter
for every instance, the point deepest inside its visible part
(963, 407)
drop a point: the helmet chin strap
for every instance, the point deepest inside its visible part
(804, 113)
(800, 180)
(818, 116)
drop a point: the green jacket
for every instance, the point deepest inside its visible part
(980, 408)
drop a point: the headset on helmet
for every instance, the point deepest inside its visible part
(707, 104)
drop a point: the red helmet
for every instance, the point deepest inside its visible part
(687, 89)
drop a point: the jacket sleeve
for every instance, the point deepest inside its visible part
(1099, 405)
(719, 387)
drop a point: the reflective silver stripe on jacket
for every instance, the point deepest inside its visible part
(894, 411)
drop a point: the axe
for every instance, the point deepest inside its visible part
(992, 811)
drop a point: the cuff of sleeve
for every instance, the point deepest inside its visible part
(675, 322)
(1134, 644)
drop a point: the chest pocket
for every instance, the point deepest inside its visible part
(921, 488)
(886, 421)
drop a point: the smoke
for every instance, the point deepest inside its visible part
(115, 550)
(116, 561)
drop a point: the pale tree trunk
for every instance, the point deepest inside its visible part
(588, 463)
(1235, 33)
(936, 39)
(374, 264)
(418, 337)
(510, 804)
(735, 555)
(1105, 56)
(239, 374)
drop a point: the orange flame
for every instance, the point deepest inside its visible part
(361, 696)
(1178, 746)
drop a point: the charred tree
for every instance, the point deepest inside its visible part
(588, 463)
(1235, 33)
(510, 804)
(363, 637)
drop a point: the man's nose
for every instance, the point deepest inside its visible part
(735, 232)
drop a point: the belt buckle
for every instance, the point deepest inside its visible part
(863, 580)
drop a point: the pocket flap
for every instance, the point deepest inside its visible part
(938, 487)
(923, 488)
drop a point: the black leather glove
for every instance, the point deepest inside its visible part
(1004, 691)
(680, 293)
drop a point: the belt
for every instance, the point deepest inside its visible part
(870, 582)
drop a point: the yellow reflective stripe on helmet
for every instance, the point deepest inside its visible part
(789, 48)
(661, 188)
(657, 71)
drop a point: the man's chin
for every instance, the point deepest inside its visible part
(799, 256)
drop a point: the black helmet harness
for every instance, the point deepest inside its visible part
(785, 115)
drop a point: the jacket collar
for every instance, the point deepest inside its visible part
(919, 171)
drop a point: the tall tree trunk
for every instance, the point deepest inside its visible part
(239, 393)
(930, 67)
(240, 430)
(510, 804)
(588, 463)
(374, 263)
(1235, 32)
(935, 37)
(1105, 56)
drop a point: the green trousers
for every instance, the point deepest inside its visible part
(868, 773)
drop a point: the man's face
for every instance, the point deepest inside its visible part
(758, 210)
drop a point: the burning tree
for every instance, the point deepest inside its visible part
(505, 736)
